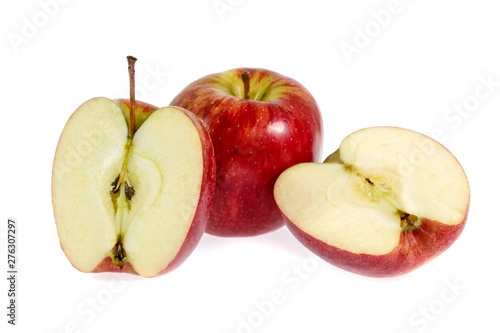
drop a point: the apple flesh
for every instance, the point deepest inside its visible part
(260, 123)
(388, 201)
(132, 204)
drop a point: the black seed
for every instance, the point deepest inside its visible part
(129, 191)
(114, 185)
(119, 251)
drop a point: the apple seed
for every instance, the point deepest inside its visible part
(115, 187)
(118, 254)
(129, 191)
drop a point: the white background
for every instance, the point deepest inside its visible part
(414, 69)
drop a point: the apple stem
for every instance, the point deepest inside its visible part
(131, 71)
(245, 77)
(409, 222)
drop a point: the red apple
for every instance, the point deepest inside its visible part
(131, 196)
(260, 123)
(388, 201)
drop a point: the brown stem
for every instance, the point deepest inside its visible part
(245, 76)
(131, 72)
(409, 222)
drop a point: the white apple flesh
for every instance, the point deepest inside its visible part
(163, 176)
(388, 201)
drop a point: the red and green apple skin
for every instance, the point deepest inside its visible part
(255, 139)
(415, 249)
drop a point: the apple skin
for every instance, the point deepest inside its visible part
(415, 248)
(143, 110)
(205, 203)
(254, 142)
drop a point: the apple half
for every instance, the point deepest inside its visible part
(133, 203)
(386, 202)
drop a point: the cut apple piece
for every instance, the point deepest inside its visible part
(136, 204)
(388, 201)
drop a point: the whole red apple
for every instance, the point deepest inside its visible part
(260, 123)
